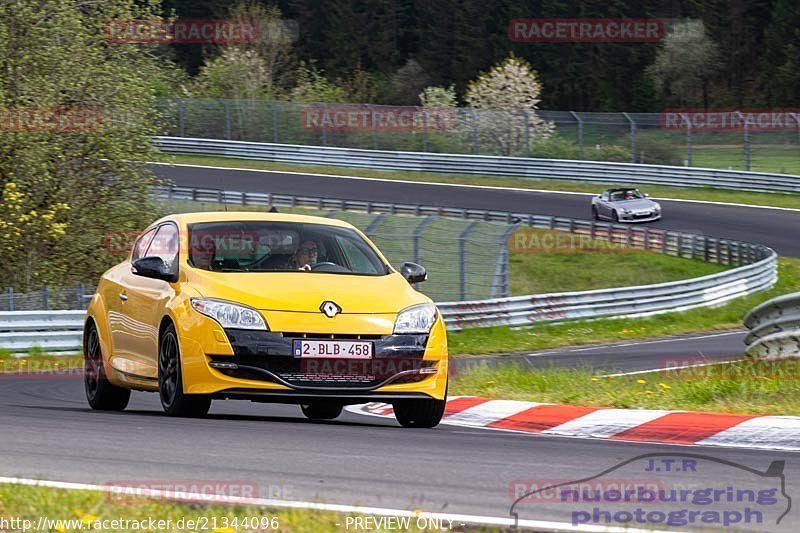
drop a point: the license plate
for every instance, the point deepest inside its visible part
(340, 349)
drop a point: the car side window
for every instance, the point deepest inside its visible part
(605, 196)
(165, 244)
(141, 244)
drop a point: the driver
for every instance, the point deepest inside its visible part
(203, 254)
(304, 257)
(630, 195)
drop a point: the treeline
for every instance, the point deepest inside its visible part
(396, 48)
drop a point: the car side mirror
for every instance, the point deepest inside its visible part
(153, 267)
(646, 195)
(413, 272)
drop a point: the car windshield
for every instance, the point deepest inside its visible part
(631, 194)
(258, 246)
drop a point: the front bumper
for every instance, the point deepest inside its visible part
(260, 366)
(633, 217)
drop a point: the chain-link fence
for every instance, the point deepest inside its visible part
(47, 298)
(767, 140)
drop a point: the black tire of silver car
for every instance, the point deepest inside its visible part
(419, 413)
(321, 411)
(595, 214)
(614, 216)
(170, 381)
(100, 393)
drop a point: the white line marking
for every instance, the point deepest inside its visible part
(493, 187)
(457, 519)
(636, 372)
(641, 343)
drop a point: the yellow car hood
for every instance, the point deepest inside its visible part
(305, 291)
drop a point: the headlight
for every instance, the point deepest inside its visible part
(230, 315)
(657, 207)
(415, 320)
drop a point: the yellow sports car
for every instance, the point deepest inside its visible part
(264, 307)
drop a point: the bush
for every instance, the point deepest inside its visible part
(657, 151)
(609, 152)
(555, 148)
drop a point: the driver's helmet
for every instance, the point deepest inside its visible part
(630, 195)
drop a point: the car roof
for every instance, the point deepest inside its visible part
(622, 189)
(245, 216)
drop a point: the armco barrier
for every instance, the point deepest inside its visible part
(774, 328)
(519, 167)
(53, 331)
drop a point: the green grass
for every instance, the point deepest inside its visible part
(787, 200)
(30, 503)
(593, 264)
(761, 388)
(505, 339)
(781, 159)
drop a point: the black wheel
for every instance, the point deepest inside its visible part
(419, 413)
(321, 411)
(100, 393)
(170, 380)
(595, 214)
(614, 216)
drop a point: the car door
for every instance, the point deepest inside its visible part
(115, 296)
(603, 206)
(144, 301)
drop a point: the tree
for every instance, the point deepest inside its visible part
(438, 97)
(65, 188)
(507, 97)
(685, 64)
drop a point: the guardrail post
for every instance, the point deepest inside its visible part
(181, 118)
(417, 233)
(633, 136)
(705, 249)
(10, 295)
(580, 133)
(45, 299)
(646, 238)
(462, 258)
(628, 236)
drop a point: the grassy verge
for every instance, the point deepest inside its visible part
(751, 387)
(700, 193)
(727, 316)
(86, 508)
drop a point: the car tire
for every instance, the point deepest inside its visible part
(170, 380)
(321, 411)
(595, 214)
(614, 216)
(419, 413)
(100, 393)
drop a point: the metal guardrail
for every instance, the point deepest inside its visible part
(774, 328)
(519, 167)
(53, 331)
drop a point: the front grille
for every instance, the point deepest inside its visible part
(267, 356)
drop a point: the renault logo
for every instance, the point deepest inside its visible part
(330, 309)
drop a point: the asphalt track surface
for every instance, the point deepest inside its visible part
(48, 432)
(772, 227)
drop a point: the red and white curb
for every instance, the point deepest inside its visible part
(631, 425)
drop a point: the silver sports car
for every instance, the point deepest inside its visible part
(625, 205)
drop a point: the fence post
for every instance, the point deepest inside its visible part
(417, 233)
(688, 139)
(501, 272)
(580, 133)
(274, 122)
(462, 258)
(181, 118)
(746, 140)
(527, 132)
(45, 299)
(374, 223)
(474, 131)
(633, 136)
(10, 294)
(228, 119)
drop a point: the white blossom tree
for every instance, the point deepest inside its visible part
(506, 99)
